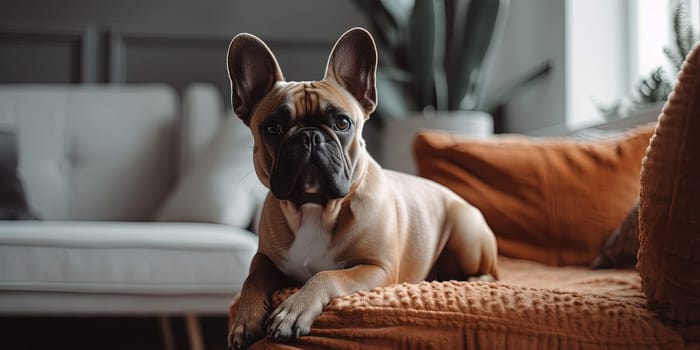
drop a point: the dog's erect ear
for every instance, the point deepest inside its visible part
(353, 65)
(253, 71)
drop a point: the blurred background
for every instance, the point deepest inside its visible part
(596, 52)
(531, 66)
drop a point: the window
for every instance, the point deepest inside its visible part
(611, 46)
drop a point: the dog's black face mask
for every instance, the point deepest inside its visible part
(310, 165)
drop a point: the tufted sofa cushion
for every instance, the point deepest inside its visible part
(93, 152)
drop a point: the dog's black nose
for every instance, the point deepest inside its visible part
(311, 137)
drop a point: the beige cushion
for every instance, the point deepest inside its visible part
(219, 185)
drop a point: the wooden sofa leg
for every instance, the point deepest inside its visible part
(166, 333)
(194, 332)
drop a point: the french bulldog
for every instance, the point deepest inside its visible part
(334, 221)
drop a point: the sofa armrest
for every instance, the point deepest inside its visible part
(669, 218)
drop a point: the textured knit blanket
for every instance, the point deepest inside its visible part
(533, 306)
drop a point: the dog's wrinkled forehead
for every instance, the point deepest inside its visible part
(309, 98)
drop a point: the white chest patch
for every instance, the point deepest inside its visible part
(310, 252)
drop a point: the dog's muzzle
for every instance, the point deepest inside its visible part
(309, 168)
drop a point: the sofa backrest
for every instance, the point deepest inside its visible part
(93, 152)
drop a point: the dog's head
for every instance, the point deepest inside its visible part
(308, 145)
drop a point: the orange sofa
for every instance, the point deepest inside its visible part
(552, 205)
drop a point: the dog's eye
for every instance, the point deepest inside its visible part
(342, 123)
(273, 129)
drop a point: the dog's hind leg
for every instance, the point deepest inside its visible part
(472, 243)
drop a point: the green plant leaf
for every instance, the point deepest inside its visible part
(483, 19)
(386, 27)
(400, 10)
(439, 44)
(675, 58)
(412, 41)
(422, 48)
(427, 50)
(655, 88)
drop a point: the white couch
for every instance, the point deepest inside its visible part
(100, 166)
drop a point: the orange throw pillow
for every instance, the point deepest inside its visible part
(669, 206)
(555, 201)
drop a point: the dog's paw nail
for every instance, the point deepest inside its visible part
(297, 332)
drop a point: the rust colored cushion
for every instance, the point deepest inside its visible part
(534, 306)
(669, 204)
(554, 201)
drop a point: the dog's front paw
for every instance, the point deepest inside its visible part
(248, 327)
(481, 278)
(293, 318)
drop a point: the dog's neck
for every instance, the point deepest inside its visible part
(365, 166)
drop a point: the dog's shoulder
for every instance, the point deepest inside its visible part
(411, 183)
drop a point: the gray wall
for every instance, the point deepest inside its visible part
(534, 34)
(181, 41)
(177, 41)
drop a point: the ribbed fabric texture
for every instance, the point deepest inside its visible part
(572, 308)
(554, 201)
(669, 207)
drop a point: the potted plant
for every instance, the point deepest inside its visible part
(432, 59)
